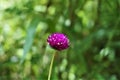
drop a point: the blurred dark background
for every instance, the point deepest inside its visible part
(93, 27)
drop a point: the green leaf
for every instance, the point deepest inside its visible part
(30, 36)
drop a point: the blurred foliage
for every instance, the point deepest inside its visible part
(93, 27)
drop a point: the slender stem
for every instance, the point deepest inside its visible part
(51, 64)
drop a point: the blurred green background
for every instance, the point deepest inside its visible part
(93, 27)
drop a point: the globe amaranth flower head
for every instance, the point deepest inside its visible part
(58, 41)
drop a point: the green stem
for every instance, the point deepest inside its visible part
(51, 64)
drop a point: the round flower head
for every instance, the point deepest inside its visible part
(58, 41)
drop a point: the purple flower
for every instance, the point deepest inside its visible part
(58, 41)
